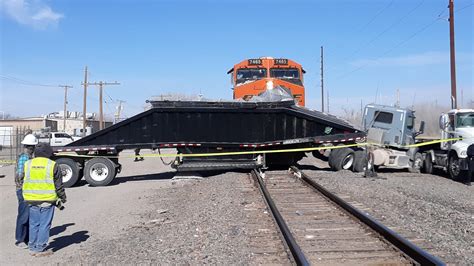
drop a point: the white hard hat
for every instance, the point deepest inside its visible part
(30, 139)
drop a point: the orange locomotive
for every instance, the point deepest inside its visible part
(253, 76)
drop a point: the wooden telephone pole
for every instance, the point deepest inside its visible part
(454, 102)
(101, 111)
(65, 104)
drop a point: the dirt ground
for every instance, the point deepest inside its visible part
(146, 217)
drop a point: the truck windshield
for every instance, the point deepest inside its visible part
(465, 120)
(246, 74)
(62, 135)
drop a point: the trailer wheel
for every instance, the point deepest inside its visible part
(428, 164)
(99, 171)
(341, 159)
(416, 164)
(454, 168)
(69, 171)
(360, 161)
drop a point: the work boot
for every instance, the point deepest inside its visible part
(21, 245)
(45, 253)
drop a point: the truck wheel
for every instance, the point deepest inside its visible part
(360, 161)
(69, 171)
(341, 159)
(454, 168)
(428, 164)
(99, 171)
(416, 164)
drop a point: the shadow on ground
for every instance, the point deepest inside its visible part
(124, 179)
(59, 229)
(65, 241)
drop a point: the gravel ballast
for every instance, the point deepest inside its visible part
(201, 221)
(430, 207)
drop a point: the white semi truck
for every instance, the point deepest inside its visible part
(457, 124)
(390, 130)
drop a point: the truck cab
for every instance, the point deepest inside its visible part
(390, 130)
(56, 138)
(456, 124)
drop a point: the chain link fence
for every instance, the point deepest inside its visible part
(10, 143)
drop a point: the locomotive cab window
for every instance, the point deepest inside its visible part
(383, 117)
(246, 74)
(289, 74)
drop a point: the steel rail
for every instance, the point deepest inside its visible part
(415, 253)
(298, 255)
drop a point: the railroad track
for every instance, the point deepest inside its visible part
(318, 227)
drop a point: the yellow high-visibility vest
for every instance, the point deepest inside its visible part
(39, 180)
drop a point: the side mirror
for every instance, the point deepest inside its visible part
(443, 121)
(422, 127)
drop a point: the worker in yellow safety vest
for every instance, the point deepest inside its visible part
(42, 190)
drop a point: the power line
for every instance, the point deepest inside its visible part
(376, 15)
(361, 47)
(26, 82)
(391, 49)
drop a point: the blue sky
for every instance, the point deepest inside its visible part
(158, 47)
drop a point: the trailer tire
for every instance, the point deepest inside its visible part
(99, 171)
(70, 171)
(428, 164)
(341, 159)
(360, 161)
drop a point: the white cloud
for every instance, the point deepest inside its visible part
(34, 13)
(423, 59)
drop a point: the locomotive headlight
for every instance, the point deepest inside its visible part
(269, 85)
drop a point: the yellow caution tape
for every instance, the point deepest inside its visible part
(69, 154)
(431, 142)
(7, 161)
(223, 153)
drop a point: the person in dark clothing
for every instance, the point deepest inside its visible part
(42, 189)
(470, 158)
(137, 156)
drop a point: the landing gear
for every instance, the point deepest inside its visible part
(416, 164)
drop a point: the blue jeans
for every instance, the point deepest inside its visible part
(40, 223)
(21, 231)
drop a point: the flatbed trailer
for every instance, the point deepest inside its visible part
(201, 128)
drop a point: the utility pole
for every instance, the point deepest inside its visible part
(101, 111)
(454, 102)
(84, 109)
(65, 104)
(322, 81)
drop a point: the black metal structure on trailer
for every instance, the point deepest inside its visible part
(195, 127)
